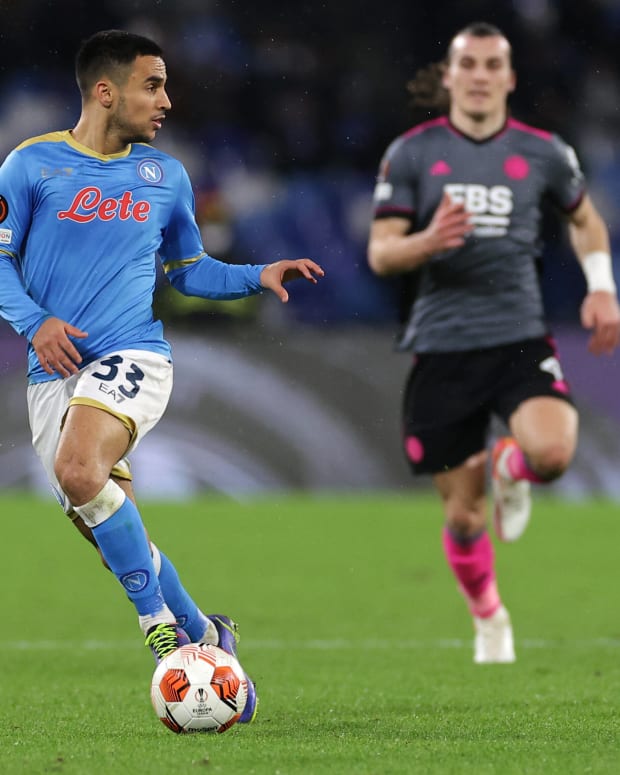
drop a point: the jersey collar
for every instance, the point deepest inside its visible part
(475, 140)
(70, 140)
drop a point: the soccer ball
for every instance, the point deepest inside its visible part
(199, 688)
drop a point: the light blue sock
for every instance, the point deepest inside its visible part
(185, 610)
(124, 545)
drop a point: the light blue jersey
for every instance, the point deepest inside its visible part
(79, 236)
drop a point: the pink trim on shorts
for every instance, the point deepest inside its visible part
(414, 449)
(561, 386)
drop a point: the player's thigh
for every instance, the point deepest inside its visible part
(544, 425)
(92, 440)
(534, 400)
(47, 405)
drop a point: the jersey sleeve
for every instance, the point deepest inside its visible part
(16, 197)
(566, 186)
(394, 194)
(189, 268)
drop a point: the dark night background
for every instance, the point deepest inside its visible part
(281, 113)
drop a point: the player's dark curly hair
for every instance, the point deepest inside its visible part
(426, 86)
(110, 52)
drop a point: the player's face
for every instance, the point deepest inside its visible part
(479, 76)
(142, 102)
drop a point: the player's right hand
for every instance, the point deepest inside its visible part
(449, 225)
(55, 351)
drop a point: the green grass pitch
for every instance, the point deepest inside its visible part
(351, 626)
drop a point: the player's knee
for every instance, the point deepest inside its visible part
(79, 482)
(551, 460)
(463, 521)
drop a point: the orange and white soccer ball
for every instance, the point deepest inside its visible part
(199, 688)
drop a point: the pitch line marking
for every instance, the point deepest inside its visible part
(338, 644)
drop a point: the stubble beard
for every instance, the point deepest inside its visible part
(477, 116)
(126, 131)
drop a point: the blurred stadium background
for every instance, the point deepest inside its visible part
(280, 113)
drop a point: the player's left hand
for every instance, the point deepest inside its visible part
(600, 313)
(275, 275)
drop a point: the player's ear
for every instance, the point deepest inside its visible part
(103, 93)
(442, 69)
(513, 82)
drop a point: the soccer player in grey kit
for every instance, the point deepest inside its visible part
(459, 199)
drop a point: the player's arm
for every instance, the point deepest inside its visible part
(48, 335)
(209, 278)
(391, 249)
(600, 311)
(16, 306)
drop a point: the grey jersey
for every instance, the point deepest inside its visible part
(487, 292)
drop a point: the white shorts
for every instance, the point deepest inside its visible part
(133, 385)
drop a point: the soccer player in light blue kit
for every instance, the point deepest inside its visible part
(83, 215)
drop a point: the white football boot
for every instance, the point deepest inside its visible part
(494, 643)
(513, 501)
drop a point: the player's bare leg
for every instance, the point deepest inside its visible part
(217, 629)
(91, 443)
(470, 555)
(543, 444)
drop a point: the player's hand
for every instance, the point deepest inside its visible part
(275, 275)
(54, 349)
(600, 314)
(449, 226)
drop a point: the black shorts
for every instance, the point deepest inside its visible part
(450, 398)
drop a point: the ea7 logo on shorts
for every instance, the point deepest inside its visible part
(490, 206)
(89, 204)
